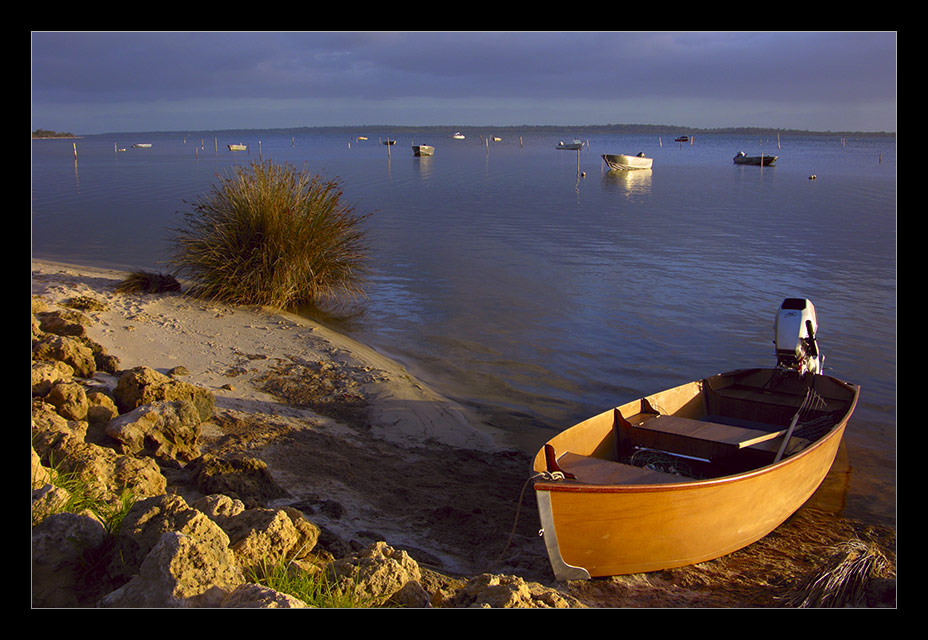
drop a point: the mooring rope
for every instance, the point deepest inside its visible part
(551, 476)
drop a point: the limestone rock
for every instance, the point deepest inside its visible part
(145, 523)
(63, 322)
(242, 477)
(46, 374)
(377, 572)
(100, 408)
(168, 431)
(181, 571)
(69, 400)
(219, 508)
(60, 544)
(41, 475)
(269, 536)
(254, 596)
(143, 385)
(491, 591)
(105, 472)
(68, 350)
(45, 418)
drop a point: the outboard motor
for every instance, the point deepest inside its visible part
(795, 329)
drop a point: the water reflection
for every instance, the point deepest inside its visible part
(628, 182)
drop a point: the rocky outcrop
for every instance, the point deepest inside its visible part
(98, 448)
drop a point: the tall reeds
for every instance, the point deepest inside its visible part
(271, 235)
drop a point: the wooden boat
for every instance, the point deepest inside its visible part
(388, 142)
(570, 146)
(621, 162)
(743, 450)
(362, 138)
(682, 139)
(741, 158)
(142, 145)
(423, 150)
(238, 147)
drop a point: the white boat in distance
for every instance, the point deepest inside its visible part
(458, 135)
(238, 147)
(142, 145)
(621, 162)
(571, 146)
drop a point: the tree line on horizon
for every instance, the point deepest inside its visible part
(47, 133)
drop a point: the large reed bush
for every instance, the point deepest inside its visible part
(271, 235)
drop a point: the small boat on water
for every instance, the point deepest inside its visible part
(762, 160)
(423, 150)
(362, 138)
(388, 142)
(238, 147)
(142, 145)
(682, 139)
(729, 458)
(570, 146)
(621, 162)
(458, 135)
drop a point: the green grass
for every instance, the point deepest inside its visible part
(274, 236)
(312, 588)
(83, 497)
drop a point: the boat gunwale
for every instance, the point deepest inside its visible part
(837, 430)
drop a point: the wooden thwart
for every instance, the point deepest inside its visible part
(590, 470)
(685, 436)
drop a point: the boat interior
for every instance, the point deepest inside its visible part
(728, 424)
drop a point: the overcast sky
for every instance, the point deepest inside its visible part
(89, 83)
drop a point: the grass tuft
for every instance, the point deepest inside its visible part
(146, 282)
(843, 582)
(273, 236)
(313, 588)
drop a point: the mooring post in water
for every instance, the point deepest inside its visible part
(75, 150)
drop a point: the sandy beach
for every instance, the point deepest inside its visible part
(370, 453)
(362, 446)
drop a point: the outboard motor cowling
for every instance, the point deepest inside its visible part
(795, 330)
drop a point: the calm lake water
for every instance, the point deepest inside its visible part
(540, 296)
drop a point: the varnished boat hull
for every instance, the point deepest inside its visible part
(607, 529)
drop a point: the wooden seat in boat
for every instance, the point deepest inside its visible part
(698, 438)
(590, 470)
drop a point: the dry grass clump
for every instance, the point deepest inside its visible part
(845, 580)
(274, 236)
(146, 282)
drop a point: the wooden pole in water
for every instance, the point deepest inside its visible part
(75, 150)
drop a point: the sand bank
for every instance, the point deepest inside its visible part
(397, 460)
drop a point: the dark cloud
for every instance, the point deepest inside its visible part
(479, 70)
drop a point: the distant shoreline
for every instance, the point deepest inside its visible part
(576, 130)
